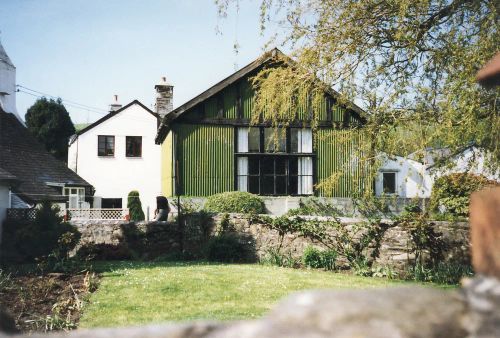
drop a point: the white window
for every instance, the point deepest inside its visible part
(76, 197)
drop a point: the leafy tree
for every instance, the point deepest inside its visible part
(410, 64)
(50, 123)
(135, 207)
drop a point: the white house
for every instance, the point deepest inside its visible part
(118, 154)
(414, 176)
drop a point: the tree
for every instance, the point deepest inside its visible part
(134, 206)
(410, 64)
(49, 122)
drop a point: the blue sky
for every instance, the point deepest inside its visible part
(88, 50)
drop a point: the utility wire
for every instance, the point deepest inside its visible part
(64, 100)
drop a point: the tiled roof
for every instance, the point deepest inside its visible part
(22, 156)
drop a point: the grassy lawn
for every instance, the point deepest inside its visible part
(137, 293)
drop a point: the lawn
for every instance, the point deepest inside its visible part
(134, 293)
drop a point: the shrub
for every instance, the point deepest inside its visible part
(230, 248)
(134, 206)
(312, 257)
(319, 259)
(452, 192)
(235, 201)
(25, 240)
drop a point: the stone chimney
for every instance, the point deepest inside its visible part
(115, 105)
(164, 97)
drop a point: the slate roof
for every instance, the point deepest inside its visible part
(22, 156)
(272, 55)
(5, 176)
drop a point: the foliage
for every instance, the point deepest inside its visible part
(319, 259)
(49, 122)
(230, 247)
(317, 207)
(358, 243)
(135, 207)
(442, 273)
(25, 240)
(274, 256)
(410, 64)
(452, 192)
(235, 201)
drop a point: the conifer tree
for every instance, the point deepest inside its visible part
(134, 206)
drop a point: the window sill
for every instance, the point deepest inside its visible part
(134, 157)
(106, 156)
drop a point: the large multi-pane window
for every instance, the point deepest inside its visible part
(274, 162)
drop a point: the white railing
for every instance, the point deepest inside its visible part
(97, 214)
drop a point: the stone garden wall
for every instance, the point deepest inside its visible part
(165, 238)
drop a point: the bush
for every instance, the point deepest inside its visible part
(25, 240)
(134, 206)
(319, 259)
(452, 192)
(235, 201)
(231, 248)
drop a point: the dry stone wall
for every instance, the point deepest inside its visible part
(161, 238)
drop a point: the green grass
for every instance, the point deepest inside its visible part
(133, 293)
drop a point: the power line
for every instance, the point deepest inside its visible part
(64, 100)
(67, 104)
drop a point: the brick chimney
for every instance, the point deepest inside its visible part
(164, 97)
(114, 106)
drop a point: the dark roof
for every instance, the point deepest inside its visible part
(5, 176)
(267, 57)
(110, 115)
(36, 170)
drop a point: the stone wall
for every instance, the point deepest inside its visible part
(154, 239)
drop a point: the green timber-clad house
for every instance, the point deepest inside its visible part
(208, 145)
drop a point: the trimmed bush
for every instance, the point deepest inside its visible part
(134, 206)
(236, 202)
(452, 192)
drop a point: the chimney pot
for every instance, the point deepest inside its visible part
(115, 105)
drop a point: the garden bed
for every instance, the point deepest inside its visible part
(40, 303)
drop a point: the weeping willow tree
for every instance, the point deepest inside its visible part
(410, 64)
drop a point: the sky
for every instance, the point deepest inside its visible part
(86, 51)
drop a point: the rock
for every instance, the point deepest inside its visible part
(485, 231)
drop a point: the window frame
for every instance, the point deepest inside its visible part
(127, 154)
(106, 144)
(389, 172)
(262, 154)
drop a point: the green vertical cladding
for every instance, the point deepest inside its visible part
(338, 154)
(247, 99)
(229, 96)
(211, 107)
(205, 154)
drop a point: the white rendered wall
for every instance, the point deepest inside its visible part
(411, 178)
(115, 177)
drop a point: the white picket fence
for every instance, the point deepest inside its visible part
(97, 214)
